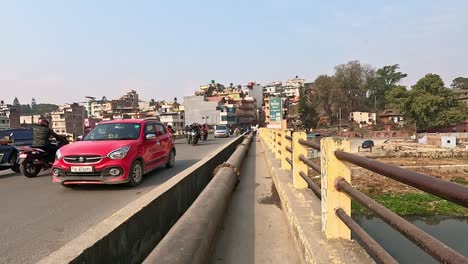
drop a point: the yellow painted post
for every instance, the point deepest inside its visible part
(298, 166)
(279, 136)
(284, 143)
(332, 169)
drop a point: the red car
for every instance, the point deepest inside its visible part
(119, 151)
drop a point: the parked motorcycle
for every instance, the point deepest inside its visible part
(32, 160)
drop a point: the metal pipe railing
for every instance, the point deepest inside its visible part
(311, 184)
(289, 161)
(311, 164)
(288, 137)
(377, 250)
(289, 149)
(426, 242)
(447, 190)
(309, 144)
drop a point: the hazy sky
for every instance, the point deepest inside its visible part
(60, 51)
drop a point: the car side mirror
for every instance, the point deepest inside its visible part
(151, 136)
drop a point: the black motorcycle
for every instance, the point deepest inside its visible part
(194, 137)
(32, 160)
(204, 135)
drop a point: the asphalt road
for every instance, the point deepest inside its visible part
(37, 217)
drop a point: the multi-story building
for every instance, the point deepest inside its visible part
(4, 121)
(202, 109)
(462, 95)
(293, 87)
(255, 91)
(69, 120)
(362, 117)
(172, 114)
(228, 114)
(272, 89)
(12, 113)
(29, 119)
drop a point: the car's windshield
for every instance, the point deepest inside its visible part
(220, 127)
(115, 131)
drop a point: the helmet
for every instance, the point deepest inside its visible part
(43, 122)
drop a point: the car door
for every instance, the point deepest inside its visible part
(164, 139)
(151, 147)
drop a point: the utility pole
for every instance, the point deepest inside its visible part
(339, 126)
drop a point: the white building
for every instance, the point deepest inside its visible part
(172, 114)
(30, 119)
(293, 87)
(4, 121)
(255, 91)
(362, 117)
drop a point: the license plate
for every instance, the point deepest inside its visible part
(22, 156)
(81, 168)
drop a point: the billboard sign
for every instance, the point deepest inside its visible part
(275, 110)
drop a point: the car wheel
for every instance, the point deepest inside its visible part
(135, 176)
(171, 161)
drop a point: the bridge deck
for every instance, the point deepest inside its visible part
(255, 229)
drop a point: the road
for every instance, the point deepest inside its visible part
(37, 217)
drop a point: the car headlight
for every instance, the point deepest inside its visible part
(58, 155)
(119, 153)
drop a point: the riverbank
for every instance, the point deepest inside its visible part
(405, 200)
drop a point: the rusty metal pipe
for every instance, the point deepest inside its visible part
(311, 164)
(189, 241)
(314, 187)
(426, 242)
(377, 250)
(447, 190)
(309, 144)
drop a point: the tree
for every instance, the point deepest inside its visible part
(351, 80)
(16, 102)
(460, 83)
(386, 78)
(307, 112)
(428, 103)
(325, 87)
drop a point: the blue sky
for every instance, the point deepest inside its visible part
(61, 51)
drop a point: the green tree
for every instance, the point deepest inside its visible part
(428, 103)
(460, 83)
(307, 112)
(385, 79)
(16, 102)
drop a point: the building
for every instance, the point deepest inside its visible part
(90, 123)
(69, 120)
(363, 118)
(272, 89)
(255, 91)
(201, 109)
(293, 87)
(246, 112)
(4, 121)
(391, 119)
(172, 114)
(228, 115)
(29, 119)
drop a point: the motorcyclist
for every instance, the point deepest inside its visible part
(170, 129)
(7, 150)
(42, 134)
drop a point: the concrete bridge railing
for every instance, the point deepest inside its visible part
(336, 191)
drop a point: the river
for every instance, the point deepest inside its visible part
(451, 231)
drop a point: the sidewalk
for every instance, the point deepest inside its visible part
(255, 229)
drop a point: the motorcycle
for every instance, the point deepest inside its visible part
(13, 164)
(32, 160)
(204, 135)
(195, 136)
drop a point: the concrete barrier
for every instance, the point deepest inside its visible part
(191, 238)
(129, 235)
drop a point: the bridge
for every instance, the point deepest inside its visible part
(242, 200)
